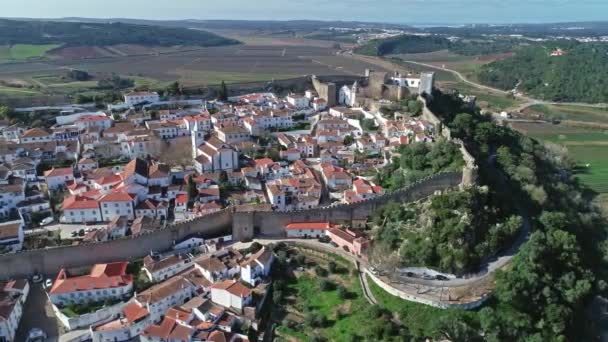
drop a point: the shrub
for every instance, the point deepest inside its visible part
(332, 267)
(320, 271)
(343, 293)
(326, 285)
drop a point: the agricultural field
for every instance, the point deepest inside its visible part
(21, 52)
(590, 149)
(587, 146)
(570, 113)
(193, 68)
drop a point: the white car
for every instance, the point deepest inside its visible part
(47, 221)
(37, 278)
(48, 283)
(36, 335)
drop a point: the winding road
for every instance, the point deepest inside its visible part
(529, 101)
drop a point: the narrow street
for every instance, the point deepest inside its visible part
(37, 313)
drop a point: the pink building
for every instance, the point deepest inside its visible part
(350, 240)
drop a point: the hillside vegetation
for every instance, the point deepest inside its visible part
(578, 76)
(543, 295)
(423, 44)
(451, 232)
(79, 34)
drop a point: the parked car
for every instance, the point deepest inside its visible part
(36, 335)
(47, 221)
(48, 283)
(37, 278)
(442, 277)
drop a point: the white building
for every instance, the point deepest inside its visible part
(57, 178)
(78, 209)
(214, 155)
(134, 319)
(117, 204)
(159, 298)
(257, 267)
(135, 98)
(159, 269)
(12, 299)
(105, 281)
(231, 294)
(36, 135)
(298, 101)
(307, 230)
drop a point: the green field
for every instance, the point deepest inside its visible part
(573, 113)
(19, 52)
(590, 150)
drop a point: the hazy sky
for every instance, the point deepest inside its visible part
(401, 11)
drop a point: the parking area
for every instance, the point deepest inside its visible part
(67, 230)
(37, 313)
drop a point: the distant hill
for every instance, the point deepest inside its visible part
(579, 75)
(103, 34)
(265, 25)
(422, 44)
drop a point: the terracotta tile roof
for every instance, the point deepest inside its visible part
(233, 287)
(181, 199)
(154, 265)
(309, 226)
(79, 202)
(9, 230)
(163, 290)
(134, 312)
(117, 197)
(60, 172)
(170, 330)
(102, 276)
(159, 171)
(210, 263)
(136, 166)
(35, 133)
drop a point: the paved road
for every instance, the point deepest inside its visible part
(37, 313)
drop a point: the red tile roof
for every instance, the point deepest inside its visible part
(117, 197)
(79, 202)
(61, 172)
(181, 199)
(102, 276)
(233, 287)
(309, 226)
(133, 312)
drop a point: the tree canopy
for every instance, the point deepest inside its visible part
(577, 76)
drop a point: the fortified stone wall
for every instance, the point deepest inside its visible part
(470, 171)
(271, 224)
(50, 261)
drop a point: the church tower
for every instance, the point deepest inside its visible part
(196, 138)
(353, 94)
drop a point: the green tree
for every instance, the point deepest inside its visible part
(192, 190)
(223, 92)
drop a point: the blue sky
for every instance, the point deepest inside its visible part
(400, 11)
